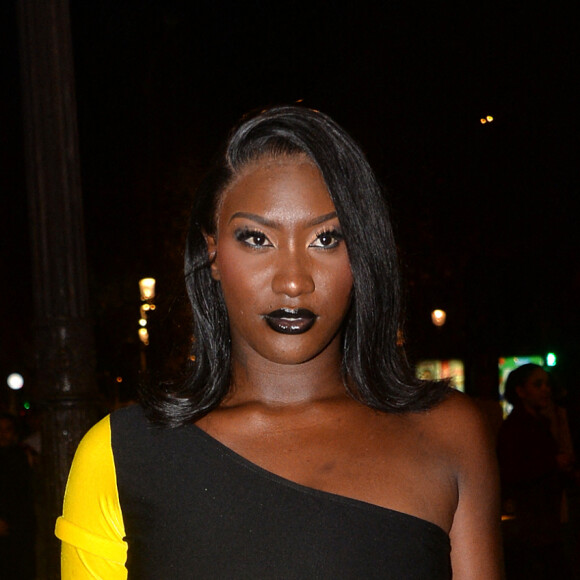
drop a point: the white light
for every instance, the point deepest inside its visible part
(147, 288)
(15, 381)
(144, 336)
(438, 317)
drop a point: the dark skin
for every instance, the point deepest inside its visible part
(278, 244)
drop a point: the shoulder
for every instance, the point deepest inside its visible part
(457, 423)
(130, 417)
(96, 451)
(93, 452)
(97, 438)
(459, 437)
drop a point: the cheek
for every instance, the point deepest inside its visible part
(240, 280)
(337, 285)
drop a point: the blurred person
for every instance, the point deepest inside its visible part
(301, 445)
(531, 469)
(32, 442)
(557, 414)
(16, 506)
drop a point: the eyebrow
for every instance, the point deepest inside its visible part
(274, 224)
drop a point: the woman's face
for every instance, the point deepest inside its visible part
(282, 262)
(535, 393)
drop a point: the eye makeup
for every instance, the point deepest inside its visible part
(252, 237)
(328, 239)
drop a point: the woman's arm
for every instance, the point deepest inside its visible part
(476, 551)
(91, 527)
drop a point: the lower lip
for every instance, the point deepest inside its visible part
(290, 325)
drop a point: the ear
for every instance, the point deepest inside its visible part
(211, 241)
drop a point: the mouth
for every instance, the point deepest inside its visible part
(290, 320)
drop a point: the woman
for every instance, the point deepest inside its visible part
(532, 469)
(301, 446)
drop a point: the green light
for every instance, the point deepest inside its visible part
(551, 359)
(26, 405)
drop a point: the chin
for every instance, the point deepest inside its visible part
(291, 358)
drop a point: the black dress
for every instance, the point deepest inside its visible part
(193, 508)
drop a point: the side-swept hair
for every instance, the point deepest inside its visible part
(374, 367)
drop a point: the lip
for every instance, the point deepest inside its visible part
(290, 320)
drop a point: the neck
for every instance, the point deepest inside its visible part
(258, 381)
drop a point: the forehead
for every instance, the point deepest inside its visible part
(537, 375)
(282, 188)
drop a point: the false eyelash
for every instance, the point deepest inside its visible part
(244, 233)
(335, 232)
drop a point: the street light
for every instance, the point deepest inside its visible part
(147, 292)
(144, 336)
(15, 381)
(438, 317)
(147, 289)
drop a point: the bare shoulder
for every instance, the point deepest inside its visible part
(458, 407)
(457, 423)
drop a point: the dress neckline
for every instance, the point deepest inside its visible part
(307, 490)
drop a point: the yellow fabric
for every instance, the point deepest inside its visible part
(91, 527)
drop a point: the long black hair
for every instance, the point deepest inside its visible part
(374, 366)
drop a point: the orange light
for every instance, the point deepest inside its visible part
(400, 338)
(144, 336)
(438, 317)
(147, 288)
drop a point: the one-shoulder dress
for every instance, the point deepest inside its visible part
(151, 503)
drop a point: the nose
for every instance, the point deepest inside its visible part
(293, 276)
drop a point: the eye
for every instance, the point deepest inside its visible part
(253, 238)
(327, 240)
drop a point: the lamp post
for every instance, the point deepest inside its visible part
(65, 386)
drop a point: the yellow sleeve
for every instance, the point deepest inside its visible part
(91, 527)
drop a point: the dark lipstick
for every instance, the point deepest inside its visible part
(290, 320)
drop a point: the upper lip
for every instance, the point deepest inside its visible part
(291, 313)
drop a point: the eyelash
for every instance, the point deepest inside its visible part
(244, 235)
(331, 233)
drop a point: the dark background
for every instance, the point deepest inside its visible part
(486, 215)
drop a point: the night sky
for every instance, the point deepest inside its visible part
(486, 215)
